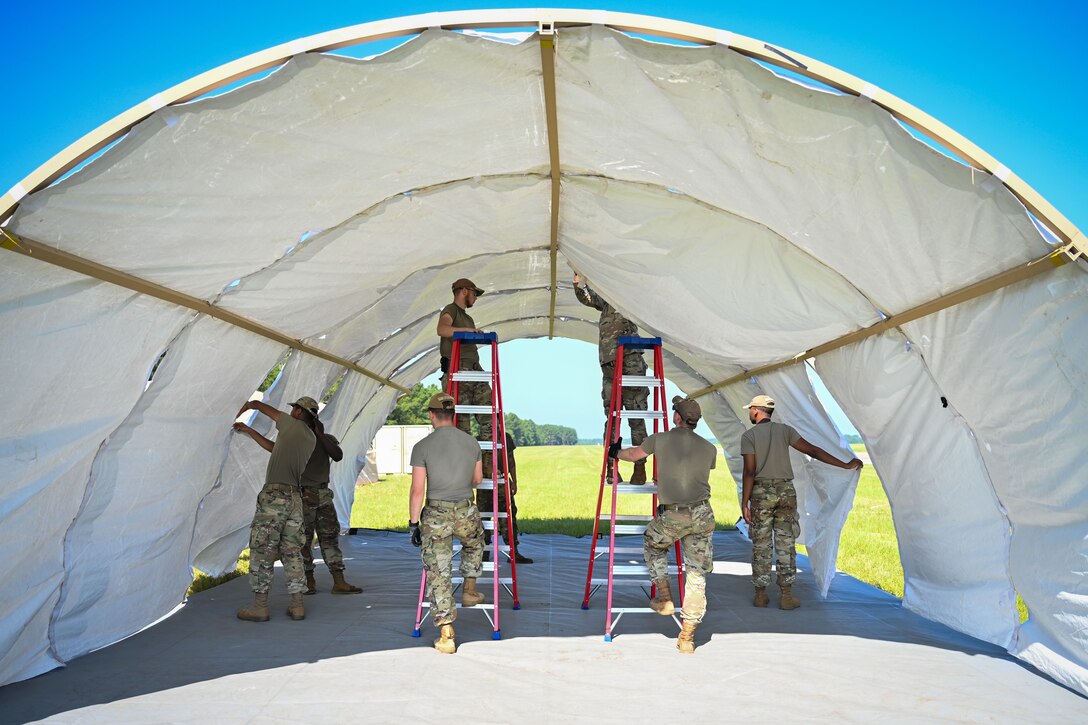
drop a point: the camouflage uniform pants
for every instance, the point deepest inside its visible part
(276, 533)
(439, 522)
(694, 529)
(632, 398)
(319, 514)
(774, 530)
(473, 394)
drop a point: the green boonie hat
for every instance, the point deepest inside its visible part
(688, 409)
(441, 401)
(308, 404)
(466, 283)
(761, 401)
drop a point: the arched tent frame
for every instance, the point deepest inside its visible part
(783, 372)
(546, 21)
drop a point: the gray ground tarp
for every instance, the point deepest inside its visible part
(857, 656)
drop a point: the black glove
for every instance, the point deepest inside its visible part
(417, 535)
(614, 449)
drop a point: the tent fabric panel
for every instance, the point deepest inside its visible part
(229, 505)
(306, 149)
(953, 536)
(128, 559)
(676, 266)
(834, 175)
(1025, 396)
(76, 357)
(333, 275)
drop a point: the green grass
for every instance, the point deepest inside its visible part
(202, 581)
(557, 494)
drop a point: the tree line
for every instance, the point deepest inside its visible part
(412, 410)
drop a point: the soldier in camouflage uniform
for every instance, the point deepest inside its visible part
(769, 500)
(684, 460)
(318, 510)
(455, 318)
(611, 327)
(276, 532)
(445, 467)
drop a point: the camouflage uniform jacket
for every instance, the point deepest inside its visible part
(612, 325)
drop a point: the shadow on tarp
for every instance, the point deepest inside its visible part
(204, 640)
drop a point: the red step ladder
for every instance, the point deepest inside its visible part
(496, 448)
(631, 571)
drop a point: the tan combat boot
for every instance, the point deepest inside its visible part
(638, 475)
(311, 583)
(761, 599)
(662, 601)
(339, 586)
(686, 641)
(295, 610)
(788, 601)
(445, 643)
(259, 611)
(470, 597)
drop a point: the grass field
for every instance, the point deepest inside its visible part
(557, 494)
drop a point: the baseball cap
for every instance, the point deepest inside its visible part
(688, 409)
(441, 401)
(466, 283)
(308, 404)
(761, 401)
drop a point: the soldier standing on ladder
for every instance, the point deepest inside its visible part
(612, 326)
(446, 464)
(455, 318)
(684, 461)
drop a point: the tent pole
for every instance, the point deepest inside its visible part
(997, 282)
(547, 64)
(43, 253)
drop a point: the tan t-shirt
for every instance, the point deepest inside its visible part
(770, 442)
(684, 460)
(461, 318)
(317, 468)
(294, 444)
(449, 455)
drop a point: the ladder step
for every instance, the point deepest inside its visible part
(628, 488)
(643, 582)
(638, 381)
(488, 484)
(627, 529)
(641, 414)
(477, 409)
(626, 517)
(472, 376)
(489, 445)
(482, 581)
(619, 550)
(491, 514)
(485, 605)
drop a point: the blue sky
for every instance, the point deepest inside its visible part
(1006, 75)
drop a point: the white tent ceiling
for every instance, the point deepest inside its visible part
(742, 216)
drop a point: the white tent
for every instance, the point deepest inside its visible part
(326, 208)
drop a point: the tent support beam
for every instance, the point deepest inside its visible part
(43, 253)
(997, 282)
(547, 65)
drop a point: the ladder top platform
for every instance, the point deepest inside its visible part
(476, 336)
(629, 341)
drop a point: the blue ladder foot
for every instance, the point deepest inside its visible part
(608, 638)
(585, 606)
(415, 632)
(497, 634)
(517, 606)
